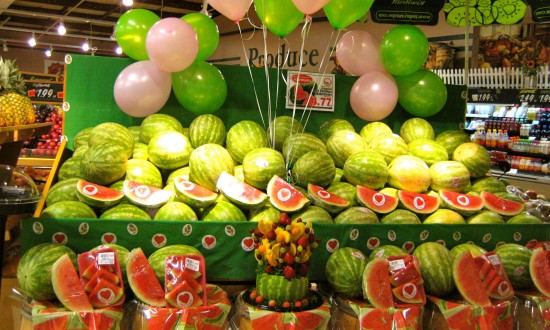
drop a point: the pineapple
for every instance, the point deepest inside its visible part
(15, 106)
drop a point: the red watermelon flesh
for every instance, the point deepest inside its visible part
(187, 276)
(189, 269)
(468, 281)
(494, 276)
(376, 284)
(376, 201)
(461, 202)
(539, 268)
(90, 269)
(95, 191)
(501, 205)
(411, 292)
(142, 279)
(284, 196)
(106, 293)
(145, 195)
(101, 274)
(67, 286)
(184, 296)
(410, 273)
(96, 321)
(418, 202)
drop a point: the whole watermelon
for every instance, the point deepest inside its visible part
(244, 137)
(344, 270)
(157, 259)
(515, 260)
(475, 157)
(207, 128)
(436, 265)
(104, 163)
(34, 273)
(113, 133)
(207, 162)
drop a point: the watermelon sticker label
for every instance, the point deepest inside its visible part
(106, 258)
(59, 238)
(185, 299)
(397, 264)
(37, 228)
(408, 246)
(373, 243)
(486, 238)
(187, 230)
(158, 240)
(108, 238)
(247, 244)
(310, 91)
(83, 228)
(332, 245)
(409, 290)
(132, 229)
(209, 241)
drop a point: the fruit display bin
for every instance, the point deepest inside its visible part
(225, 244)
(532, 311)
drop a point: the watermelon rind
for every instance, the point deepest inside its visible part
(375, 200)
(376, 283)
(70, 169)
(343, 144)
(104, 163)
(384, 251)
(68, 210)
(475, 157)
(282, 127)
(125, 212)
(62, 191)
(418, 202)
(539, 268)
(390, 146)
(206, 128)
(524, 218)
(193, 194)
(142, 279)
(143, 171)
(468, 281)
(330, 202)
(485, 216)
(416, 128)
(436, 264)
(367, 168)
(331, 126)
(299, 144)
(515, 261)
(223, 211)
(267, 212)
(207, 162)
(313, 213)
(501, 205)
(260, 165)
(489, 183)
(243, 137)
(345, 190)
(34, 272)
(112, 133)
(356, 215)
(315, 167)
(97, 195)
(175, 211)
(428, 150)
(156, 123)
(240, 193)
(344, 271)
(444, 216)
(67, 286)
(465, 204)
(284, 197)
(157, 259)
(475, 250)
(400, 216)
(280, 289)
(450, 139)
(145, 195)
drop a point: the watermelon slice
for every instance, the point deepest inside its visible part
(376, 201)
(67, 286)
(539, 268)
(193, 194)
(464, 204)
(184, 296)
(240, 193)
(97, 195)
(494, 277)
(411, 272)
(145, 195)
(418, 202)
(501, 205)
(468, 280)
(101, 274)
(284, 197)
(411, 292)
(142, 279)
(328, 201)
(376, 284)
(188, 276)
(105, 293)
(91, 268)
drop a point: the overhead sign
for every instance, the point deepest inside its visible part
(415, 12)
(540, 10)
(45, 92)
(311, 91)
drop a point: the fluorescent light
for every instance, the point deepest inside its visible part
(86, 46)
(118, 50)
(61, 30)
(32, 41)
(127, 3)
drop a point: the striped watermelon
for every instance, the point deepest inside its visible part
(313, 213)
(244, 137)
(266, 212)
(104, 163)
(475, 157)
(34, 270)
(62, 191)
(299, 144)
(436, 268)
(169, 150)
(136, 131)
(142, 280)
(278, 288)
(375, 129)
(366, 168)
(223, 211)
(157, 259)
(207, 162)
(344, 270)
(68, 210)
(475, 250)
(449, 175)
(81, 138)
(409, 173)
(345, 190)
(283, 127)
(515, 260)
(400, 216)
(81, 150)
(333, 125)
(240, 193)
(207, 128)
(450, 139)
(260, 165)
(110, 132)
(183, 173)
(343, 144)
(315, 167)
(355, 215)
(70, 169)
(175, 211)
(140, 151)
(384, 251)
(96, 195)
(416, 128)
(193, 194)
(488, 183)
(390, 146)
(156, 123)
(428, 150)
(143, 171)
(125, 212)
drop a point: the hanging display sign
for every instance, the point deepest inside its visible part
(461, 13)
(540, 10)
(310, 91)
(509, 96)
(45, 92)
(415, 12)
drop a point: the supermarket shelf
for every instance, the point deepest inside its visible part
(520, 153)
(477, 115)
(35, 161)
(23, 132)
(522, 176)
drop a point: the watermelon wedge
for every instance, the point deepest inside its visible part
(376, 284)
(105, 293)
(418, 202)
(539, 268)
(494, 277)
(145, 195)
(501, 205)
(411, 292)
(194, 194)
(67, 286)
(97, 195)
(101, 274)
(184, 296)
(464, 204)
(468, 280)
(240, 193)
(284, 197)
(376, 201)
(142, 279)
(322, 198)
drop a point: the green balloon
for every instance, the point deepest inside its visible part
(207, 33)
(422, 94)
(341, 13)
(279, 16)
(201, 88)
(131, 31)
(404, 49)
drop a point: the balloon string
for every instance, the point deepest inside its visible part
(251, 75)
(204, 9)
(266, 71)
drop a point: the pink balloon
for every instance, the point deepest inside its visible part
(172, 44)
(142, 89)
(309, 7)
(374, 96)
(358, 52)
(232, 9)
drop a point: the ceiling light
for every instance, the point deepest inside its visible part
(61, 30)
(32, 41)
(5, 46)
(118, 50)
(86, 46)
(49, 51)
(127, 3)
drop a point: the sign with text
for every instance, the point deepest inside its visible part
(540, 10)
(311, 91)
(415, 12)
(45, 92)
(509, 96)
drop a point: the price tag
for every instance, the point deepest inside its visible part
(106, 258)
(397, 265)
(192, 264)
(311, 91)
(45, 91)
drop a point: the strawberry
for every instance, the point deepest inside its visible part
(289, 258)
(289, 272)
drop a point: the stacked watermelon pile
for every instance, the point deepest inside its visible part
(161, 170)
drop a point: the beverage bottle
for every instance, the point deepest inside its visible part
(494, 140)
(505, 139)
(499, 139)
(489, 138)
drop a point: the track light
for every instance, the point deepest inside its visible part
(86, 46)
(32, 41)
(118, 50)
(5, 46)
(61, 30)
(127, 3)
(49, 52)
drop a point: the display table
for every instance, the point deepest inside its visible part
(226, 244)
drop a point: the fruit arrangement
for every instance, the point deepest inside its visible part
(45, 144)
(15, 106)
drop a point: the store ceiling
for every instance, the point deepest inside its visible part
(92, 19)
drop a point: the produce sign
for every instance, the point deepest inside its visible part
(406, 12)
(540, 10)
(49, 315)
(508, 96)
(310, 90)
(40, 91)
